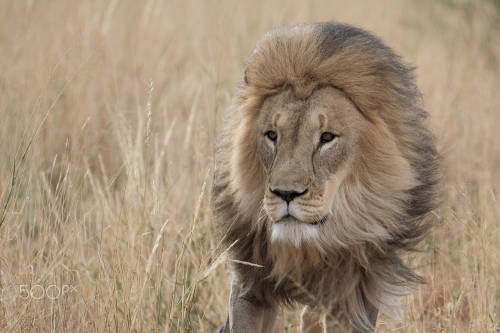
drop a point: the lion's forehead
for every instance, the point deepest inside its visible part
(326, 108)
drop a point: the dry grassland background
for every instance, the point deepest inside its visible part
(108, 117)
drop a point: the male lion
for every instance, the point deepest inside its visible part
(325, 174)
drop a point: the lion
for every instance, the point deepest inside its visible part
(325, 174)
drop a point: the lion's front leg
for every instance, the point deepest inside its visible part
(247, 314)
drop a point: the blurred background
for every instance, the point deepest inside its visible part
(108, 118)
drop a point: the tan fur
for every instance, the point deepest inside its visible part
(375, 183)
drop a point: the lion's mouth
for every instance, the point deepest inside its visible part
(289, 218)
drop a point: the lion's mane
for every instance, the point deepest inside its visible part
(381, 209)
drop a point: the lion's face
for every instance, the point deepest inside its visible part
(306, 147)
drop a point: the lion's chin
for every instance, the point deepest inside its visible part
(290, 230)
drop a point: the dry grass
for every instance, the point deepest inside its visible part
(108, 116)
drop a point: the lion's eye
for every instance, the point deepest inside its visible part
(272, 135)
(327, 137)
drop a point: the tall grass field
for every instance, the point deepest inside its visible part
(109, 113)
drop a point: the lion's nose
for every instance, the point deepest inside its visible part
(288, 195)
